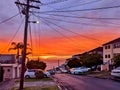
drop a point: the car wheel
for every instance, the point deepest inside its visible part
(45, 76)
(74, 73)
(27, 76)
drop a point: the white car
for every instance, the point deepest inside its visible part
(47, 74)
(30, 73)
(64, 70)
(76, 71)
(79, 70)
(116, 72)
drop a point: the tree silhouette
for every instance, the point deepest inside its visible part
(116, 60)
(74, 63)
(19, 48)
(36, 64)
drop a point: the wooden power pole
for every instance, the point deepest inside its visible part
(25, 11)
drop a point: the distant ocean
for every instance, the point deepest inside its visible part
(53, 63)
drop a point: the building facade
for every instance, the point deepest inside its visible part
(110, 49)
(11, 69)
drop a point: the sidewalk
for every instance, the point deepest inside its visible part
(7, 85)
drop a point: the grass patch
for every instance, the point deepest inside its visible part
(106, 73)
(35, 80)
(39, 88)
(91, 72)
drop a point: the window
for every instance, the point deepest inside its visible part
(105, 47)
(105, 56)
(30, 70)
(8, 70)
(109, 56)
(108, 46)
(116, 45)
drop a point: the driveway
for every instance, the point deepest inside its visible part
(7, 85)
(38, 83)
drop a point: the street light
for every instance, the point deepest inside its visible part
(34, 22)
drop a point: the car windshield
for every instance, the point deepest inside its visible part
(118, 68)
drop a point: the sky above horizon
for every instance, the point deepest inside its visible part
(66, 27)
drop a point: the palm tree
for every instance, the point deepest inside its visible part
(19, 47)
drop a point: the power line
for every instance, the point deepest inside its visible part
(30, 32)
(91, 9)
(13, 37)
(9, 18)
(73, 16)
(88, 24)
(72, 31)
(81, 4)
(60, 33)
(39, 37)
(53, 2)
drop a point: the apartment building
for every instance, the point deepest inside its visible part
(110, 49)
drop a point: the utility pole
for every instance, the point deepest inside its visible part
(25, 11)
(58, 63)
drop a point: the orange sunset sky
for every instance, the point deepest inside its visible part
(58, 37)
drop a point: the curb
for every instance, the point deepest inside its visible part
(59, 84)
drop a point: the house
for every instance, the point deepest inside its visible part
(110, 49)
(11, 69)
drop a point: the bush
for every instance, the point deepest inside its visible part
(39, 74)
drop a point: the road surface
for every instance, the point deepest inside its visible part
(77, 82)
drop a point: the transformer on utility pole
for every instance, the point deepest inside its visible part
(25, 10)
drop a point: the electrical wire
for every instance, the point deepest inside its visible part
(73, 32)
(88, 9)
(104, 18)
(53, 2)
(6, 20)
(81, 4)
(67, 38)
(88, 24)
(30, 33)
(13, 36)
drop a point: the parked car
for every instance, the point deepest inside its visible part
(47, 74)
(79, 70)
(30, 73)
(64, 71)
(76, 71)
(52, 72)
(85, 69)
(116, 72)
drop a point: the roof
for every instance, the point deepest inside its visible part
(7, 58)
(113, 41)
(97, 49)
(9, 65)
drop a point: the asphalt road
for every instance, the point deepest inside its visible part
(77, 82)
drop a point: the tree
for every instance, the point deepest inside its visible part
(90, 60)
(16, 46)
(36, 64)
(19, 48)
(74, 62)
(116, 60)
